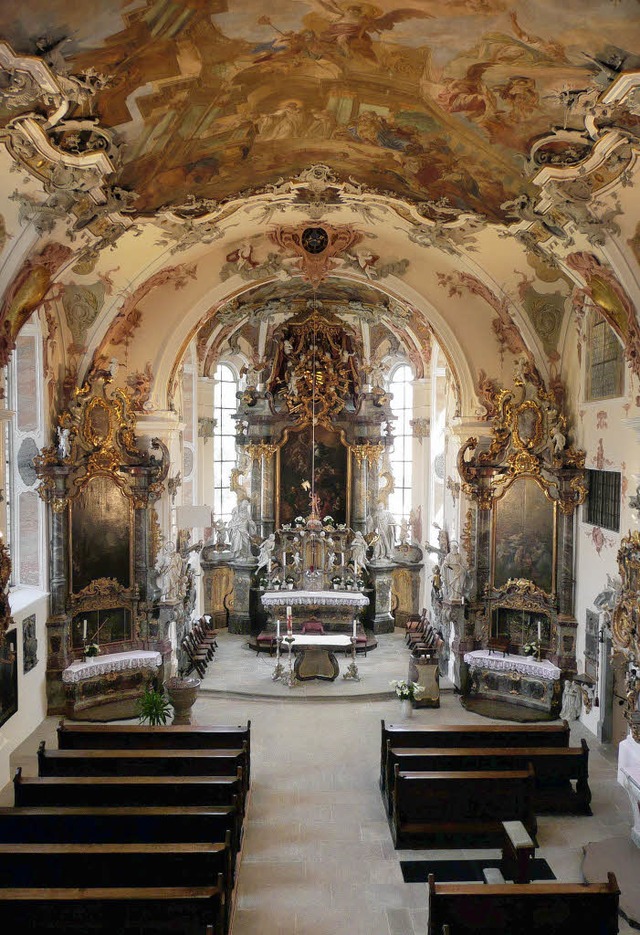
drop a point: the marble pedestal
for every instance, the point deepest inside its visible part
(628, 757)
(461, 643)
(382, 579)
(426, 673)
(240, 614)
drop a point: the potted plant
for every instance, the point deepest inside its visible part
(153, 707)
(289, 581)
(350, 583)
(407, 692)
(328, 521)
(336, 581)
(299, 521)
(262, 583)
(275, 584)
(532, 648)
(90, 651)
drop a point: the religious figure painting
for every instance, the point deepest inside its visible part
(100, 534)
(330, 475)
(8, 676)
(524, 536)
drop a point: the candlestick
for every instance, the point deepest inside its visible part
(84, 630)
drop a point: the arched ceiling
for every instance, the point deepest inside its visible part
(473, 167)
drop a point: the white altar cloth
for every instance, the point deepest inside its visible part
(525, 665)
(321, 640)
(112, 662)
(314, 598)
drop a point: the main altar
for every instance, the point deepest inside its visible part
(312, 529)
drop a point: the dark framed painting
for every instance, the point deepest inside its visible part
(29, 644)
(8, 675)
(591, 644)
(107, 625)
(330, 466)
(100, 534)
(524, 536)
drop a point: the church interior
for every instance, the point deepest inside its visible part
(321, 407)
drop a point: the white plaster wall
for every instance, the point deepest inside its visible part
(32, 700)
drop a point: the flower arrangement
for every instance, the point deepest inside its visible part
(336, 579)
(328, 520)
(407, 691)
(299, 521)
(532, 648)
(92, 649)
(289, 579)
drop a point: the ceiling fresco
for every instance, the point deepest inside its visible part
(440, 104)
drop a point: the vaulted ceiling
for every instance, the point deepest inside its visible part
(463, 171)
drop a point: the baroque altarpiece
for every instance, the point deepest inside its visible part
(314, 429)
(524, 484)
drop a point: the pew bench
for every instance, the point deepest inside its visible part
(449, 809)
(216, 762)
(555, 770)
(518, 851)
(140, 736)
(118, 865)
(190, 910)
(470, 735)
(525, 909)
(120, 825)
(129, 790)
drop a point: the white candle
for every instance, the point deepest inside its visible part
(354, 628)
(84, 629)
(539, 624)
(288, 610)
(278, 628)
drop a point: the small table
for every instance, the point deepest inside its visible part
(314, 656)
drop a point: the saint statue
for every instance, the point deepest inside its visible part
(266, 552)
(241, 529)
(454, 574)
(383, 522)
(169, 572)
(571, 701)
(358, 552)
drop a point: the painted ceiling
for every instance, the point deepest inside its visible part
(168, 169)
(439, 103)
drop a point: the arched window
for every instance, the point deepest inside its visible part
(400, 386)
(224, 439)
(23, 439)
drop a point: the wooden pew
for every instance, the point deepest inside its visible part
(554, 768)
(525, 909)
(118, 865)
(216, 762)
(129, 790)
(445, 809)
(470, 735)
(73, 736)
(118, 825)
(192, 910)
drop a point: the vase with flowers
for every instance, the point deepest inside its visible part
(91, 650)
(407, 692)
(532, 648)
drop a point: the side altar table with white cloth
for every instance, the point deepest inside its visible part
(311, 599)
(520, 680)
(107, 687)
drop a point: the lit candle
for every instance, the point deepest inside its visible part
(84, 629)
(278, 628)
(354, 628)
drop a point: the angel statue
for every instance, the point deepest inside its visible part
(266, 552)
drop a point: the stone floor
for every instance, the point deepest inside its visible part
(318, 857)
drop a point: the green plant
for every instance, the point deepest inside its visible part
(92, 649)
(406, 690)
(153, 708)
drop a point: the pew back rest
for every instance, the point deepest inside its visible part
(552, 908)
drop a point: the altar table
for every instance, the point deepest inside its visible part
(111, 662)
(314, 656)
(312, 599)
(519, 680)
(108, 687)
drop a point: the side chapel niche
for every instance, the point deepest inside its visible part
(100, 488)
(526, 484)
(316, 394)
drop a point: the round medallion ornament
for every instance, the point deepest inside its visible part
(315, 239)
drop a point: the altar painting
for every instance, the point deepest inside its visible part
(294, 476)
(8, 676)
(524, 536)
(100, 534)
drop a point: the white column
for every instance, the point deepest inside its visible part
(421, 457)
